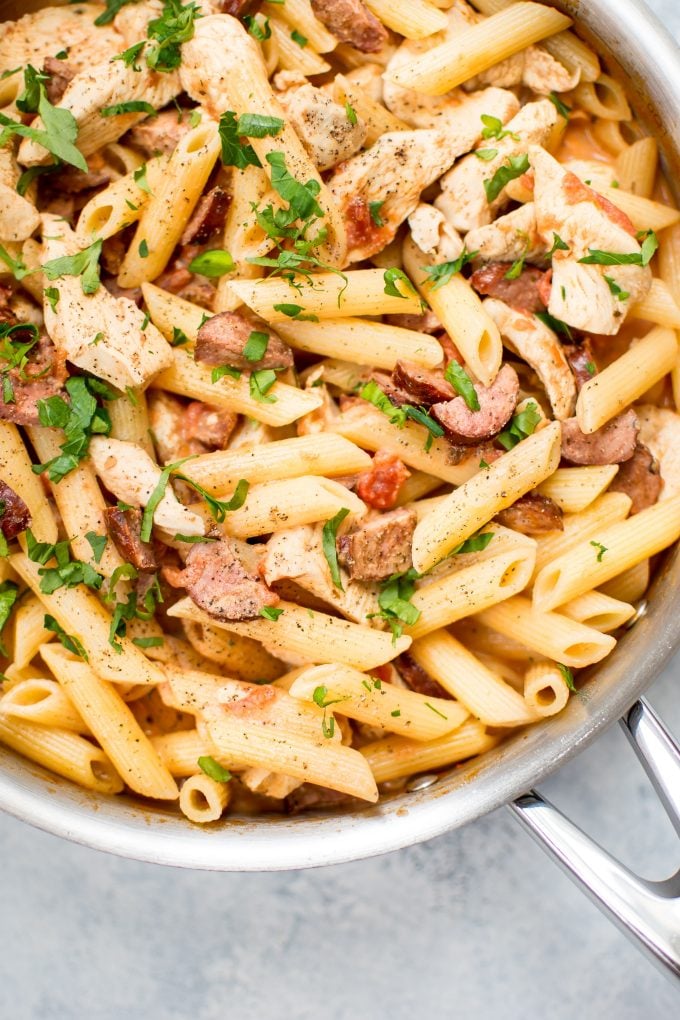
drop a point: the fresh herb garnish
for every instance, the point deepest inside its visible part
(9, 593)
(567, 676)
(148, 642)
(617, 291)
(270, 613)
(510, 171)
(557, 245)
(299, 38)
(456, 375)
(435, 710)
(131, 54)
(320, 698)
(80, 418)
(69, 641)
(649, 245)
(258, 125)
(139, 177)
(51, 295)
(296, 312)
(67, 574)
(98, 544)
(213, 769)
(260, 383)
(486, 155)
(143, 249)
(130, 106)
(220, 371)
(179, 337)
(556, 325)
(602, 549)
(493, 128)
(391, 276)
(476, 543)
(212, 263)
(398, 416)
(374, 212)
(328, 544)
(59, 127)
(112, 8)
(84, 264)
(523, 424)
(256, 346)
(444, 271)
(350, 113)
(174, 27)
(260, 30)
(395, 602)
(561, 107)
(218, 508)
(17, 267)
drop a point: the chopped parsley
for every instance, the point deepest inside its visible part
(486, 155)
(271, 613)
(510, 171)
(328, 544)
(444, 271)
(220, 371)
(259, 29)
(456, 375)
(523, 424)
(218, 508)
(350, 113)
(395, 602)
(9, 593)
(567, 676)
(320, 698)
(80, 418)
(143, 249)
(179, 337)
(476, 543)
(256, 346)
(131, 106)
(213, 769)
(300, 39)
(167, 33)
(17, 267)
(69, 641)
(258, 125)
(493, 128)
(59, 127)
(602, 549)
(84, 264)
(139, 176)
(374, 212)
(98, 544)
(649, 244)
(391, 276)
(435, 710)
(617, 291)
(112, 9)
(398, 416)
(260, 383)
(212, 263)
(51, 295)
(131, 55)
(557, 245)
(295, 312)
(561, 107)
(67, 574)
(556, 325)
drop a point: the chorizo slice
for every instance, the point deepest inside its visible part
(496, 405)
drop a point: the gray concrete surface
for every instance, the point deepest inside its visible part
(475, 924)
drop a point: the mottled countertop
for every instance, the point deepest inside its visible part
(475, 924)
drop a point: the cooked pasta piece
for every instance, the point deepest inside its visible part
(598, 610)
(574, 489)
(545, 688)
(362, 341)
(18, 474)
(202, 799)
(44, 703)
(394, 757)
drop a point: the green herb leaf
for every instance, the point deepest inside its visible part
(80, 418)
(212, 263)
(476, 543)
(510, 171)
(493, 128)
(259, 30)
(351, 116)
(391, 276)
(602, 549)
(9, 593)
(69, 641)
(444, 271)
(259, 125)
(213, 769)
(649, 245)
(131, 54)
(139, 176)
(143, 249)
(556, 325)
(97, 544)
(112, 8)
(256, 346)
(301, 198)
(435, 710)
(130, 106)
(260, 383)
(395, 601)
(523, 424)
(219, 508)
(456, 375)
(270, 613)
(561, 107)
(85, 265)
(148, 642)
(174, 27)
(52, 297)
(567, 676)
(221, 370)
(557, 245)
(617, 291)
(17, 267)
(234, 152)
(179, 337)
(329, 546)
(374, 212)
(486, 154)
(299, 38)
(295, 312)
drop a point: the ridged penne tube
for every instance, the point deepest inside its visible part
(80, 502)
(292, 56)
(328, 295)
(460, 311)
(29, 633)
(91, 91)
(417, 485)
(189, 378)
(545, 689)
(202, 799)
(240, 656)
(607, 509)
(34, 282)
(113, 725)
(630, 585)
(659, 306)
(463, 675)
(299, 15)
(289, 503)
(44, 703)
(265, 727)
(470, 589)
(129, 416)
(481, 497)
(119, 204)
(222, 68)
(18, 474)
(362, 341)
(644, 213)
(574, 54)
(314, 636)
(172, 202)
(637, 165)
(573, 489)
(371, 429)
(478, 48)
(81, 615)
(395, 709)
(63, 752)
(243, 237)
(168, 311)
(598, 610)
(603, 98)
(624, 380)
(179, 751)
(317, 454)
(394, 757)
(414, 19)
(550, 634)
(668, 259)
(609, 134)
(611, 551)
(122, 159)
(377, 118)
(19, 217)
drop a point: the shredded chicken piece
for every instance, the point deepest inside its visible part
(533, 67)
(581, 294)
(38, 35)
(463, 199)
(323, 126)
(433, 234)
(525, 334)
(130, 474)
(508, 238)
(102, 334)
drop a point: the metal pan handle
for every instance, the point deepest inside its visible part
(647, 912)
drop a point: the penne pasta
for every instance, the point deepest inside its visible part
(203, 800)
(290, 503)
(545, 689)
(607, 509)
(598, 610)
(414, 19)
(574, 489)
(658, 306)
(18, 474)
(121, 203)
(44, 703)
(179, 751)
(637, 165)
(360, 341)
(291, 55)
(394, 757)
(299, 14)
(630, 585)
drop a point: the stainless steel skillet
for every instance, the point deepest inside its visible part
(645, 56)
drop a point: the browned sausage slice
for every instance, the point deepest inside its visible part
(524, 293)
(581, 361)
(15, 516)
(221, 340)
(125, 528)
(218, 581)
(207, 218)
(639, 478)
(496, 404)
(351, 22)
(380, 547)
(425, 386)
(43, 376)
(612, 444)
(532, 515)
(418, 679)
